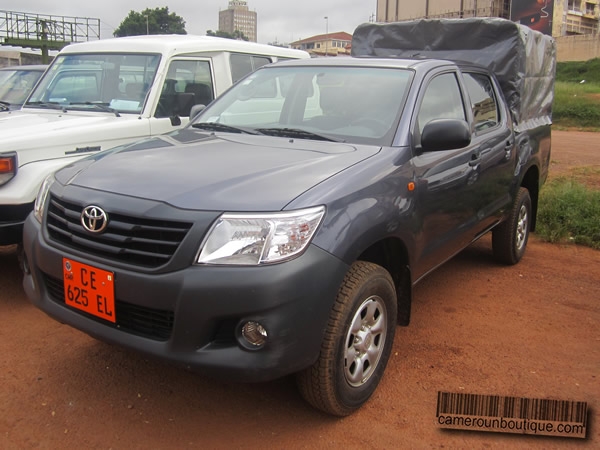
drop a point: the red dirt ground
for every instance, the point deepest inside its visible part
(531, 330)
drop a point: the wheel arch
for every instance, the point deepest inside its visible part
(391, 254)
(531, 181)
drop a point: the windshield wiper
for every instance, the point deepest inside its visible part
(98, 106)
(296, 133)
(4, 106)
(52, 105)
(215, 126)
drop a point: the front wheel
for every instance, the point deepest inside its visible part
(357, 343)
(509, 239)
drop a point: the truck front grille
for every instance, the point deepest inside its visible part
(150, 323)
(129, 239)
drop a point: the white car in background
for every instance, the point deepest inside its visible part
(101, 94)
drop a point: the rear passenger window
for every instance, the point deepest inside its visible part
(483, 100)
(242, 64)
(442, 100)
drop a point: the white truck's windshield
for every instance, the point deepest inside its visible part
(116, 82)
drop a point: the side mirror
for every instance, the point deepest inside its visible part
(196, 109)
(445, 134)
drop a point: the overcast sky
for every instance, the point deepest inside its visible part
(278, 20)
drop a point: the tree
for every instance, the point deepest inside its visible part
(237, 34)
(151, 21)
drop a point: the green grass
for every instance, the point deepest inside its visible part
(569, 212)
(576, 105)
(585, 173)
(574, 72)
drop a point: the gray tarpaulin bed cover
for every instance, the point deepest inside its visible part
(523, 60)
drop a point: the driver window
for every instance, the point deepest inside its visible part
(188, 83)
(442, 100)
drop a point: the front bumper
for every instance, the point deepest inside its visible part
(200, 309)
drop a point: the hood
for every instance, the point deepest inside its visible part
(42, 122)
(192, 170)
(42, 134)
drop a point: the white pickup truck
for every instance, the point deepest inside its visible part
(101, 94)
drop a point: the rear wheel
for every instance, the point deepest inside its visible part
(509, 239)
(357, 342)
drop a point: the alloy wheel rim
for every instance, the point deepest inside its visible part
(365, 341)
(522, 224)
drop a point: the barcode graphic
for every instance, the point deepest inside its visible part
(512, 414)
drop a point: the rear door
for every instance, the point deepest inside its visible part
(495, 143)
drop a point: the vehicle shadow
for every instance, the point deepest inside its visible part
(130, 391)
(11, 277)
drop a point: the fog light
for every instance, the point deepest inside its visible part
(254, 333)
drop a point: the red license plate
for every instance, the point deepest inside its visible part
(89, 289)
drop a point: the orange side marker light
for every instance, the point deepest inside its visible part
(6, 165)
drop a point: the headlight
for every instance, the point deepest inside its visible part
(40, 200)
(251, 239)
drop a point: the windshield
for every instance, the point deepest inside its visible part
(116, 82)
(346, 104)
(15, 85)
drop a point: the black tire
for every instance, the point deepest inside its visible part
(509, 239)
(363, 318)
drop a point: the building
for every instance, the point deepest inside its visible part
(330, 44)
(238, 17)
(555, 17)
(579, 17)
(398, 10)
(16, 56)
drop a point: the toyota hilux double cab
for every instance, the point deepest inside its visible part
(283, 229)
(100, 94)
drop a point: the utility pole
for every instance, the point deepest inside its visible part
(326, 33)
(44, 41)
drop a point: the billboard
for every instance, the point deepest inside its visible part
(536, 14)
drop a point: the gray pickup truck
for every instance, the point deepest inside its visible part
(282, 231)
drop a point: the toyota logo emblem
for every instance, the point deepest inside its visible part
(94, 219)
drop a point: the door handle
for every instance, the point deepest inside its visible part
(508, 149)
(475, 160)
